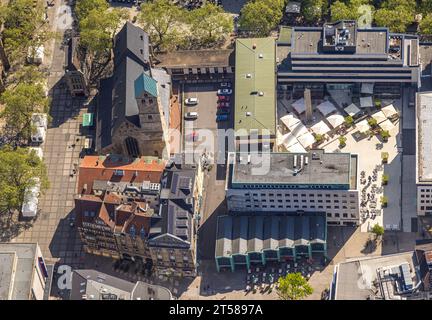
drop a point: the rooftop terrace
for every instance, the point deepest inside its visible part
(424, 137)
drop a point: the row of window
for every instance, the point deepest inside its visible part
(298, 207)
(312, 195)
(344, 215)
(296, 201)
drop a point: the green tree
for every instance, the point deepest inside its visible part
(158, 19)
(28, 74)
(19, 171)
(426, 25)
(319, 138)
(386, 17)
(349, 121)
(384, 157)
(385, 135)
(348, 10)
(372, 122)
(210, 23)
(293, 287)
(384, 201)
(342, 141)
(385, 178)
(97, 30)
(19, 104)
(312, 10)
(24, 27)
(377, 230)
(260, 17)
(425, 6)
(83, 7)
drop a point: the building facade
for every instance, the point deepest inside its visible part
(133, 106)
(248, 239)
(424, 152)
(342, 56)
(311, 182)
(172, 239)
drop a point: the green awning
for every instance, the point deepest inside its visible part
(88, 119)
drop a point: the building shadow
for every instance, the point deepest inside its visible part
(337, 237)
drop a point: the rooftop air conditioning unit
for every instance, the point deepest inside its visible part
(260, 55)
(248, 75)
(261, 93)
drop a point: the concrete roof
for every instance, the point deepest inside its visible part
(254, 73)
(196, 58)
(424, 137)
(322, 169)
(16, 270)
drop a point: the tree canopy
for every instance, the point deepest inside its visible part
(260, 17)
(293, 287)
(17, 173)
(395, 14)
(24, 27)
(349, 10)
(378, 230)
(312, 10)
(20, 102)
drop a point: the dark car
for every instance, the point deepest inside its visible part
(221, 117)
(224, 98)
(223, 104)
(223, 111)
(225, 85)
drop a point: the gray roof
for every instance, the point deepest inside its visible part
(278, 168)
(116, 99)
(163, 80)
(94, 285)
(424, 134)
(256, 232)
(17, 266)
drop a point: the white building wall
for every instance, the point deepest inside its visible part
(341, 206)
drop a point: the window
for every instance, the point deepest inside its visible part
(132, 147)
(149, 117)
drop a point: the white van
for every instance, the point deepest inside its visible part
(40, 123)
(191, 101)
(30, 205)
(191, 115)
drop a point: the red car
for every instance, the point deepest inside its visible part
(222, 104)
(224, 98)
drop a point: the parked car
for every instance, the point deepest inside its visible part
(191, 101)
(40, 125)
(222, 104)
(224, 92)
(223, 111)
(225, 85)
(191, 115)
(224, 98)
(221, 117)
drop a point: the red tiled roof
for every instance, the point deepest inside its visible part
(102, 168)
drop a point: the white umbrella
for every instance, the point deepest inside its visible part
(320, 128)
(389, 111)
(290, 120)
(288, 140)
(335, 120)
(379, 116)
(299, 130)
(366, 102)
(352, 110)
(299, 106)
(306, 140)
(367, 88)
(387, 125)
(362, 126)
(298, 148)
(326, 108)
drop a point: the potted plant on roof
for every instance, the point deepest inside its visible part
(384, 201)
(349, 121)
(385, 135)
(319, 138)
(372, 123)
(384, 157)
(385, 179)
(377, 103)
(342, 141)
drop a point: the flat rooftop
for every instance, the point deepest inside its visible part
(279, 168)
(255, 85)
(424, 137)
(16, 270)
(355, 277)
(198, 58)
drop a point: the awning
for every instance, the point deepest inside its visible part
(326, 108)
(389, 111)
(352, 110)
(387, 125)
(297, 148)
(290, 120)
(379, 116)
(88, 119)
(299, 130)
(362, 126)
(366, 102)
(306, 140)
(335, 120)
(299, 106)
(320, 128)
(367, 88)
